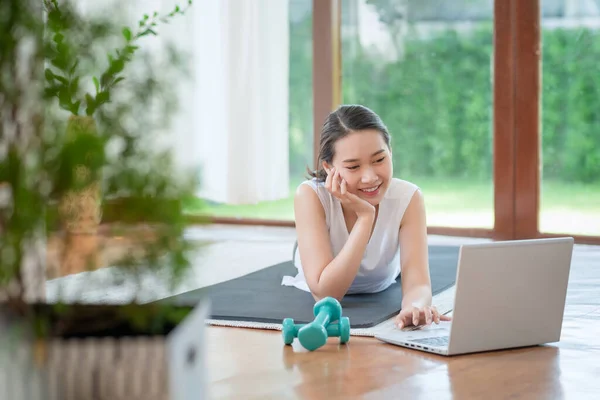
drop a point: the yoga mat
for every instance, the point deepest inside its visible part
(260, 297)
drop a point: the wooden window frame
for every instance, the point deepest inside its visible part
(516, 94)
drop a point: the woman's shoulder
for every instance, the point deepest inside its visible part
(306, 197)
(310, 187)
(399, 197)
(401, 189)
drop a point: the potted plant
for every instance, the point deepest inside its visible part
(52, 165)
(78, 181)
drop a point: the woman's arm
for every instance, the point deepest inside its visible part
(326, 275)
(414, 256)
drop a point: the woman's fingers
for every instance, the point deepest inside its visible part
(439, 317)
(416, 316)
(428, 315)
(399, 321)
(328, 179)
(343, 188)
(435, 315)
(334, 182)
(403, 318)
(406, 317)
(404, 321)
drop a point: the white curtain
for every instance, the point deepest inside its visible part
(241, 99)
(232, 120)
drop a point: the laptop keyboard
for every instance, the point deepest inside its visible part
(433, 341)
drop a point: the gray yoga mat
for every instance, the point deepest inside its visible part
(260, 297)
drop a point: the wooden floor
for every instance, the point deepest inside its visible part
(251, 363)
(255, 364)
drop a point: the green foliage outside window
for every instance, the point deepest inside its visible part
(438, 103)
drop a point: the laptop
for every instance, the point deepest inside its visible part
(508, 294)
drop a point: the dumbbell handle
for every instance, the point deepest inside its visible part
(332, 329)
(323, 318)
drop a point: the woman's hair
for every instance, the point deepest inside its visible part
(341, 122)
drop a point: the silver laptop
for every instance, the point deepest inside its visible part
(508, 294)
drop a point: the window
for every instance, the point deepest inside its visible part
(425, 68)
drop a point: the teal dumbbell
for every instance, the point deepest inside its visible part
(314, 334)
(340, 329)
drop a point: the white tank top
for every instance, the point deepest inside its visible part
(380, 265)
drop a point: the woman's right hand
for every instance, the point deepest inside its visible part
(337, 186)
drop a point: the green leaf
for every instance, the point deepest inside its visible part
(117, 66)
(65, 106)
(96, 84)
(62, 49)
(74, 86)
(91, 103)
(147, 32)
(75, 107)
(89, 110)
(62, 79)
(105, 79)
(127, 33)
(119, 79)
(102, 97)
(64, 98)
(60, 63)
(58, 38)
(51, 91)
(131, 49)
(74, 67)
(49, 75)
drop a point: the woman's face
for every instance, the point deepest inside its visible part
(364, 162)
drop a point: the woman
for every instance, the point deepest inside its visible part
(358, 227)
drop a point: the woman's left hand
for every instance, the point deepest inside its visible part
(419, 316)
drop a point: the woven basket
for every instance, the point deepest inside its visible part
(81, 210)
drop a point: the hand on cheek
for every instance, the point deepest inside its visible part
(335, 172)
(338, 187)
(342, 177)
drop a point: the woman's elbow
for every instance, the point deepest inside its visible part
(320, 289)
(319, 294)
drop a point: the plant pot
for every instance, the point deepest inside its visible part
(120, 362)
(80, 206)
